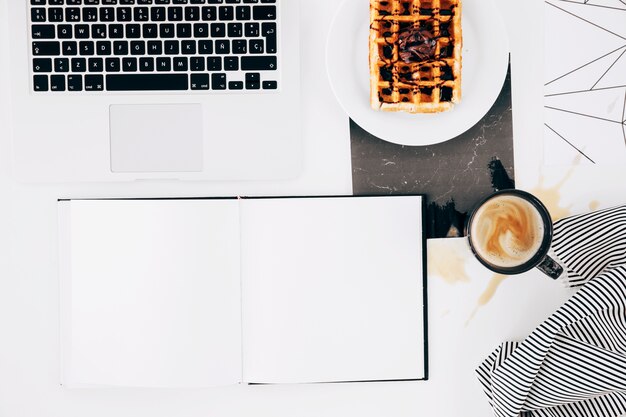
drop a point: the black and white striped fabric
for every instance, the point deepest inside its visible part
(573, 364)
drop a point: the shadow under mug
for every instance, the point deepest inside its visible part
(540, 259)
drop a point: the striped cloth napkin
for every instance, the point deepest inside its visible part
(573, 364)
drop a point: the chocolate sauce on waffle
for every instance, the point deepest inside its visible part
(416, 45)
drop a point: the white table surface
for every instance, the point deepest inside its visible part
(462, 332)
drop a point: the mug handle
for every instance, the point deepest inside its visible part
(550, 267)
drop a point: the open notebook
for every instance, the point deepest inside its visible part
(204, 292)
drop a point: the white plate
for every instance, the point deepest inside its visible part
(485, 64)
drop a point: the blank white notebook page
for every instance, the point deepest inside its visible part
(155, 293)
(332, 289)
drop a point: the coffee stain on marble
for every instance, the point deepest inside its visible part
(446, 262)
(488, 294)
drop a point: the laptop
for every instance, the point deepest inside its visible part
(121, 90)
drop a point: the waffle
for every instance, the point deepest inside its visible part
(415, 55)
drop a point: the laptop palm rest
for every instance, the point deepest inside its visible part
(156, 138)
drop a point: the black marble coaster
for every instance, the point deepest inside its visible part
(454, 175)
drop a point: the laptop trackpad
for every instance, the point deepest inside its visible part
(156, 138)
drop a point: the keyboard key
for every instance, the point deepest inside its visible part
(38, 14)
(103, 48)
(253, 81)
(42, 31)
(240, 46)
(79, 64)
(218, 81)
(235, 30)
(188, 47)
(233, 1)
(90, 14)
(231, 63)
(197, 1)
(74, 2)
(116, 31)
(171, 48)
(157, 14)
(96, 64)
(124, 14)
(163, 64)
(208, 13)
(155, 47)
(138, 48)
(57, 83)
(192, 13)
(215, 1)
(166, 30)
(252, 30)
(222, 47)
(42, 65)
(146, 64)
(200, 81)
(243, 13)
(180, 1)
(218, 30)
(175, 14)
(86, 48)
(94, 83)
(127, 1)
(64, 31)
(109, 2)
(72, 14)
(180, 63)
(196, 63)
(133, 31)
(226, 13)
(264, 12)
(38, 2)
(256, 46)
(250, 1)
(201, 30)
(214, 64)
(268, 1)
(69, 48)
(112, 64)
(81, 31)
(46, 48)
(74, 82)
(183, 30)
(107, 14)
(150, 31)
(61, 64)
(129, 64)
(120, 48)
(92, 2)
(205, 47)
(270, 85)
(40, 82)
(268, 30)
(99, 31)
(141, 14)
(55, 14)
(147, 82)
(258, 63)
(235, 85)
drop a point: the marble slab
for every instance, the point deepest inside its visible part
(454, 175)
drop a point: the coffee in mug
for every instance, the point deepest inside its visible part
(510, 232)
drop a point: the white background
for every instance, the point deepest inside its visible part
(29, 353)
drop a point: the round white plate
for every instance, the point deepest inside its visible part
(485, 64)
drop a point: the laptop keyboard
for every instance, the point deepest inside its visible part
(154, 45)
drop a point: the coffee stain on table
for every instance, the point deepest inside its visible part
(551, 196)
(593, 205)
(447, 263)
(488, 294)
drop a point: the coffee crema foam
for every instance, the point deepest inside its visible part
(507, 231)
